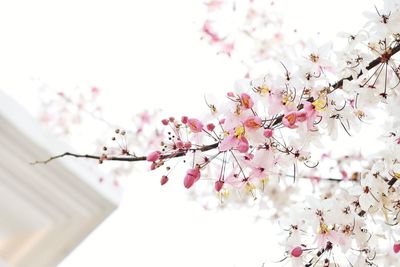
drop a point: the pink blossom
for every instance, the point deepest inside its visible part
(253, 122)
(165, 122)
(290, 119)
(153, 156)
(308, 114)
(246, 101)
(195, 125)
(301, 116)
(235, 140)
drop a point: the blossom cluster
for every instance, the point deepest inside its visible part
(271, 130)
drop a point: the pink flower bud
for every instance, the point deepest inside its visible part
(396, 247)
(210, 127)
(297, 251)
(153, 166)
(164, 179)
(218, 185)
(188, 145)
(153, 156)
(268, 133)
(179, 144)
(188, 181)
(192, 176)
(184, 119)
(195, 125)
(230, 94)
(195, 173)
(246, 101)
(171, 119)
(222, 121)
(243, 145)
(165, 122)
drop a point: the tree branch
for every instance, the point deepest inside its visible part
(381, 59)
(125, 158)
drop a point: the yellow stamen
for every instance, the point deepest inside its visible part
(224, 193)
(323, 228)
(263, 89)
(319, 104)
(250, 187)
(239, 132)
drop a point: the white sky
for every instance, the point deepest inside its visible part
(147, 54)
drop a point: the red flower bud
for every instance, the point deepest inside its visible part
(396, 247)
(188, 145)
(184, 119)
(297, 251)
(268, 133)
(218, 185)
(153, 156)
(210, 127)
(164, 180)
(192, 176)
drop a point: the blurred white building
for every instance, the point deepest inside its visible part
(46, 210)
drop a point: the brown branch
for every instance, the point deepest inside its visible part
(164, 156)
(381, 59)
(125, 158)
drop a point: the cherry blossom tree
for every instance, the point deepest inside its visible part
(270, 136)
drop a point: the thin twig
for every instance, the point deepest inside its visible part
(125, 158)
